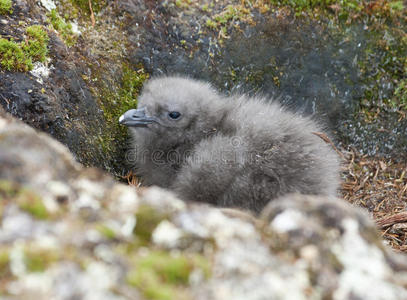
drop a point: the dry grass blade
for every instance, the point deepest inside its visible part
(391, 220)
(132, 179)
(92, 15)
(327, 140)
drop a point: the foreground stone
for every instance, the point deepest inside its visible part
(67, 232)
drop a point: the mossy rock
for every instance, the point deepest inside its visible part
(36, 43)
(95, 5)
(26, 199)
(12, 56)
(5, 7)
(20, 56)
(147, 219)
(38, 260)
(4, 262)
(62, 27)
(163, 276)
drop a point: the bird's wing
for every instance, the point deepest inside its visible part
(223, 171)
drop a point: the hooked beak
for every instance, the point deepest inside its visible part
(136, 118)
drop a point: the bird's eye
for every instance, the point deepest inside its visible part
(174, 115)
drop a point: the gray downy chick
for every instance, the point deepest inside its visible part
(235, 151)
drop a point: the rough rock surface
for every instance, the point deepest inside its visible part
(60, 95)
(67, 232)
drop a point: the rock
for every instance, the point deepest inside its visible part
(339, 244)
(71, 232)
(58, 96)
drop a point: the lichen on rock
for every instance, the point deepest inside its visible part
(103, 239)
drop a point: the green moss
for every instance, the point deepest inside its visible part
(116, 101)
(205, 8)
(12, 57)
(38, 260)
(34, 263)
(8, 189)
(172, 269)
(400, 94)
(397, 5)
(182, 3)
(97, 5)
(5, 7)
(132, 82)
(36, 44)
(211, 24)
(384, 61)
(26, 199)
(160, 275)
(20, 56)
(32, 203)
(63, 28)
(147, 219)
(4, 263)
(106, 231)
(125, 97)
(301, 5)
(230, 15)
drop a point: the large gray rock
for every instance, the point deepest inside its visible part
(67, 232)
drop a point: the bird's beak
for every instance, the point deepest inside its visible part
(136, 118)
